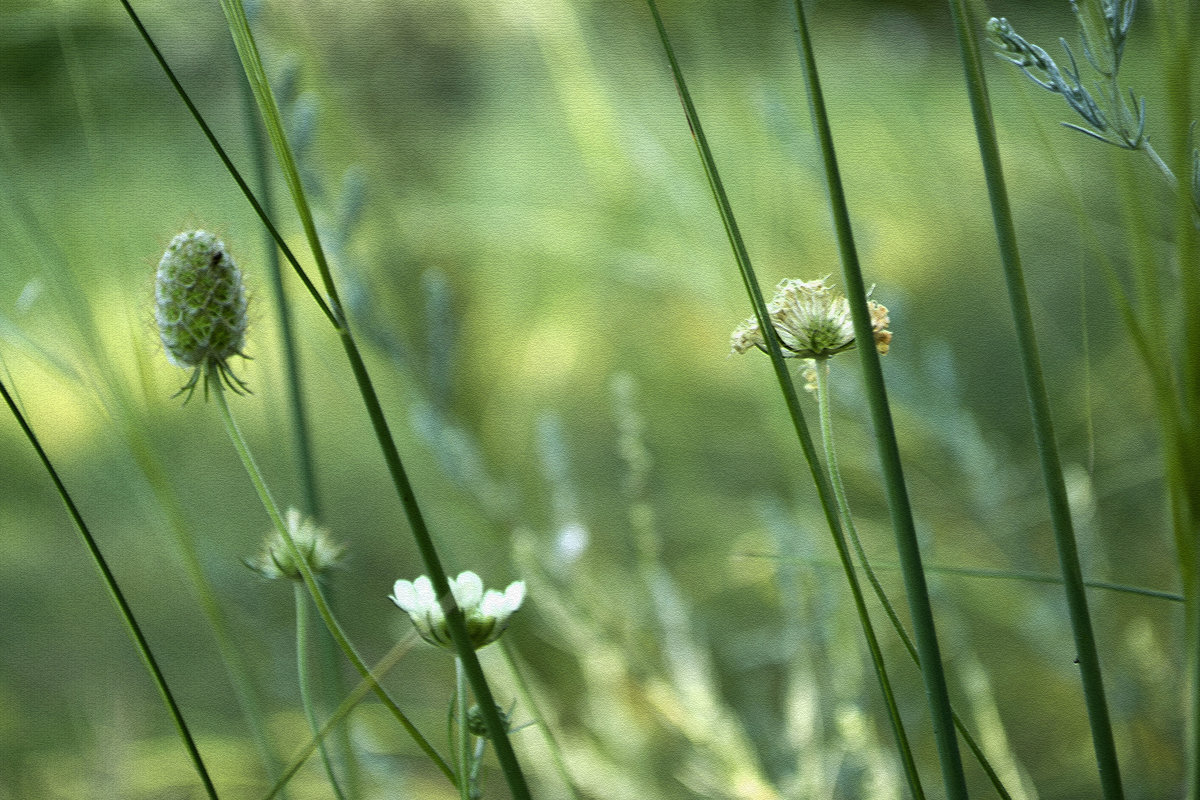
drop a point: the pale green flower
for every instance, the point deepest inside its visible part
(314, 544)
(812, 320)
(487, 613)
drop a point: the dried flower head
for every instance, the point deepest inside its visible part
(487, 614)
(200, 308)
(315, 546)
(812, 320)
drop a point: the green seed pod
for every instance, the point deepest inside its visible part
(200, 307)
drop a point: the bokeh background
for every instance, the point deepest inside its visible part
(534, 265)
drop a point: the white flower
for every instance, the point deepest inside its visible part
(487, 613)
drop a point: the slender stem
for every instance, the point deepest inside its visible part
(903, 526)
(1060, 514)
(118, 597)
(369, 682)
(461, 704)
(820, 479)
(243, 38)
(310, 711)
(535, 711)
(825, 408)
(310, 581)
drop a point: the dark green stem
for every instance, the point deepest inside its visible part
(118, 597)
(824, 490)
(903, 527)
(1060, 514)
(310, 580)
(252, 64)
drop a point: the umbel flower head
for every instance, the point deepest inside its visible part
(812, 320)
(315, 546)
(200, 308)
(487, 614)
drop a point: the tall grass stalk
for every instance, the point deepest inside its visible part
(903, 527)
(298, 422)
(1060, 513)
(118, 597)
(825, 410)
(118, 404)
(243, 38)
(824, 491)
(310, 580)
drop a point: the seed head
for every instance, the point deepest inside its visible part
(200, 308)
(812, 320)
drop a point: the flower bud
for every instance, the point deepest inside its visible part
(200, 307)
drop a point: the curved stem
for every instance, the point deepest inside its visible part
(310, 581)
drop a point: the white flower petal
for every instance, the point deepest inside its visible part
(493, 605)
(404, 594)
(425, 596)
(468, 591)
(514, 595)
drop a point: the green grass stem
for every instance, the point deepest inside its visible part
(118, 597)
(824, 490)
(526, 694)
(310, 581)
(302, 678)
(243, 38)
(1060, 514)
(366, 684)
(463, 738)
(915, 586)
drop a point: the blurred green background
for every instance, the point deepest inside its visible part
(534, 265)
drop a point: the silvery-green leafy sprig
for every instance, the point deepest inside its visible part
(1104, 26)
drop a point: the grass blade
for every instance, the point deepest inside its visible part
(114, 590)
(903, 527)
(1060, 513)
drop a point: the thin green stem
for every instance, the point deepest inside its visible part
(539, 719)
(243, 38)
(824, 491)
(118, 597)
(463, 739)
(1060, 514)
(825, 410)
(310, 581)
(306, 700)
(903, 526)
(368, 683)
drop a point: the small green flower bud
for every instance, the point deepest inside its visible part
(314, 544)
(476, 724)
(200, 307)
